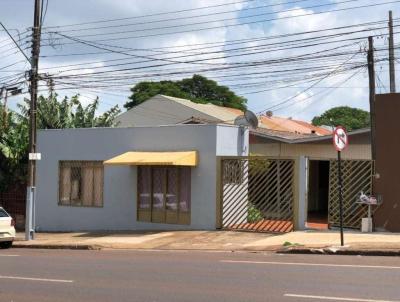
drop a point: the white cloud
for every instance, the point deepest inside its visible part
(303, 21)
(19, 14)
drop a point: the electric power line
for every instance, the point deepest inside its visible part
(229, 25)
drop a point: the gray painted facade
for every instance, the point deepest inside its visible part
(120, 182)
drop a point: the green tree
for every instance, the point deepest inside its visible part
(51, 114)
(198, 89)
(68, 113)
(13, 149)
(350, 118)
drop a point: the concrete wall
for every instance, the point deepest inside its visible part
(232, 145)
(119, 210)
(387, 217)
(301, 185)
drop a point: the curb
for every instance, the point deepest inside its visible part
(158, 249)
(297, 250)
(330, 251)
(57, 246)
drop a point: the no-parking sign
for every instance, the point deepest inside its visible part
(340, 141)
(340, 138)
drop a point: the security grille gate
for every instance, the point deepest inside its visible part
(258, 194)
(357, 176)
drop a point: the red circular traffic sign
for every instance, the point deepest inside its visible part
(340, 138)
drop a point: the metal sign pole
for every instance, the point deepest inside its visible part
(340, 141)
(340, 197)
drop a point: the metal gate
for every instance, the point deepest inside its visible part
(258, 194)
(357, 176)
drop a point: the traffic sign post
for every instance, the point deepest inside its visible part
(340, 141)
(340, 197)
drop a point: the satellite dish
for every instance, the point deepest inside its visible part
(241, 121)
(248, 119)
(251, 119)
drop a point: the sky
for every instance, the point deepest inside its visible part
(103, 47)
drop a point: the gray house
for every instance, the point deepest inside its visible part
(160, 177)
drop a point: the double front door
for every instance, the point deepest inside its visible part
(164, 194)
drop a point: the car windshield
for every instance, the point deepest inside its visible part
(3, 213)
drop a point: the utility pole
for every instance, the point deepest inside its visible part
(30, 198)
(392, 75)
(5, 109)
(371, 74)
(4, 106)
(12, 91)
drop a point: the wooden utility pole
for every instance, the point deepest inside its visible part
(3, 89)
(13, 91)
(30, 199)
(371, 74)
(392, 75)
(5, 108)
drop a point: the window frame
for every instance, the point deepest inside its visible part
(73, 164)
(165, 216)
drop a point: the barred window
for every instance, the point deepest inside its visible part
(164, 194)
(81, 183)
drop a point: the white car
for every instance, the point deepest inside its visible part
(7, 229)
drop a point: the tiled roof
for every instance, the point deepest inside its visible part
(290, 125)
(228, 115)
(285, 135)
(318, 130)
(297, 138)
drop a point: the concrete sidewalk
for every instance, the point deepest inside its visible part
(300, 241)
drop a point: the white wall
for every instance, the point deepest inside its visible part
(232, 141)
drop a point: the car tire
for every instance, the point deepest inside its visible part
(6, 244)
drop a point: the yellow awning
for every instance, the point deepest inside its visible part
(182, 158)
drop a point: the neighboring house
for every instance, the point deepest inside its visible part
(319, 154)
(290, 125)
(166, 110)
(288, 144)
(159, 177)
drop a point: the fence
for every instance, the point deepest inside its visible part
(357, 176)
(258, 194)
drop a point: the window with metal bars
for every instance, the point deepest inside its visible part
(81, 183)
(164, 194)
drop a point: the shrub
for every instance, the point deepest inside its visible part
(254, 214)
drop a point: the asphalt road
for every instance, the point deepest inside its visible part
(65, 275)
